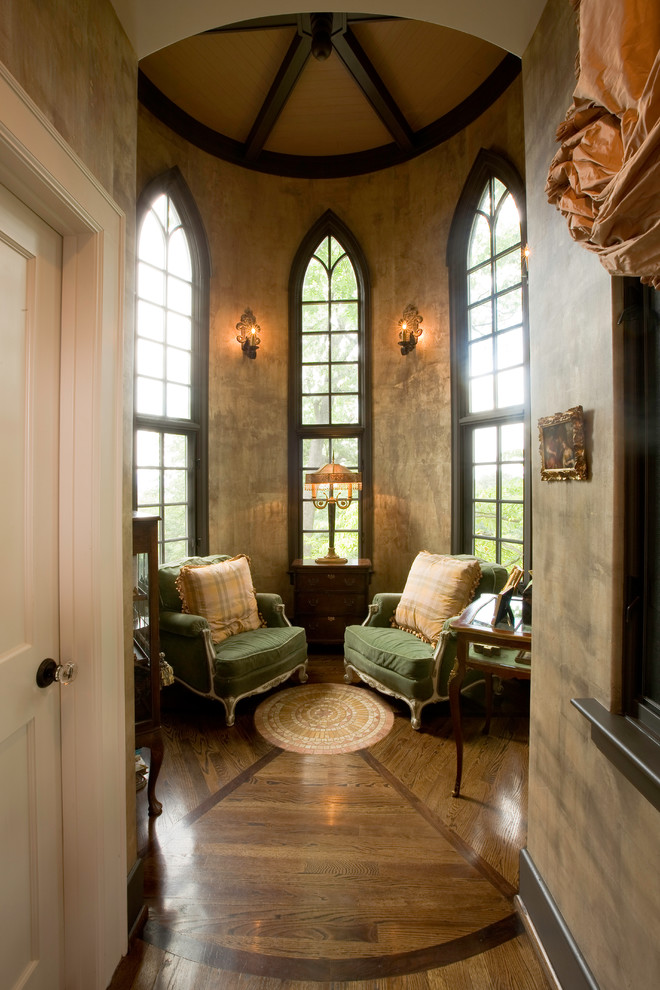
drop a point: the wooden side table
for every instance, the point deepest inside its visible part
(474, 626)
(329, 597)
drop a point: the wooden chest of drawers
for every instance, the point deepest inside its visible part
(329, 597)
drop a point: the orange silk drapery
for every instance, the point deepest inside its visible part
(605, 177)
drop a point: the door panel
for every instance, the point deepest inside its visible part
(31, 903)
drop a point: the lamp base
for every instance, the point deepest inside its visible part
(331, 558)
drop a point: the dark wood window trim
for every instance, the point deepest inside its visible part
(487, 165)
(174, 185)
(328, 224)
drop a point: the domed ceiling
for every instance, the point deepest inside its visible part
(323, 94)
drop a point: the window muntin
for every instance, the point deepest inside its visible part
(167, 375)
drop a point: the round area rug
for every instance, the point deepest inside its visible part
(323, 718)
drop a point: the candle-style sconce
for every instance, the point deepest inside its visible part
(409, 329)
(248, 334)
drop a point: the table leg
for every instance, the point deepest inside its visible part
(455, 682)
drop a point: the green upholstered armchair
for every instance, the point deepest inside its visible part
(242, 665)
(399, 664)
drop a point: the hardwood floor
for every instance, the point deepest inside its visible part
(271, 870)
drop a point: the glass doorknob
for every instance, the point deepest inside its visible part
(49, 671)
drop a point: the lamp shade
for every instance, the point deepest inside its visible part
(333, 478)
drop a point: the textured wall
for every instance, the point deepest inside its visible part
(73, 58)
(594, 839)
(255, 223)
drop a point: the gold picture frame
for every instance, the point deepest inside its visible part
(561, 444)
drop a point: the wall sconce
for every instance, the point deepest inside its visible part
(332, 486)
(248, 329)
(409, 329)
(526, 251)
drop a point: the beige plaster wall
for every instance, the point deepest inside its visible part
(594, 839)
(74, 60)
(255, 223)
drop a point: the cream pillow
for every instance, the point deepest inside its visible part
(437, 587)
(221, 593)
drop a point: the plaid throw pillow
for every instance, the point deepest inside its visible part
(223, 594)
(437, 588)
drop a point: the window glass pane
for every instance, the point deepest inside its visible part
(148, 486)
(147, 448)
(179, 295)
(315, 378)
(486, 550)
(481, 394)
(510, 348)
(322, 251)
(178, 257)
(484, 482)
(512, 515)
(178, 401)
(315, 411)
(507, 226)
(512, 481)
(512, 442)
(345, 347)
(172, 216)
(315, 453)
(345, 451)
(480, 284)
(315, 347)
(485, 519)
(344, 378)
(485, 203)
(499, 190)
(174, 483)
(345, 409)
(314, 317)
(178, 365)
(175, 551)
(344, 316)
(149, 358)
(151, 246)
(179, 331)
(151, 283)
(159, 206)
(509, 309)
(481, 357)
(149, 397)
(480, 248)
(510, 388)
(344, 284)
(175, 450)
(336, 250)
(511, 554)
(485, 444)
(150, 320)
(481, 320)
(175, 518)
(315, 286)
(508, 271)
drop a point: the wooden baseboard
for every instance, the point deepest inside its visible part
(137, 909)
(557, 949)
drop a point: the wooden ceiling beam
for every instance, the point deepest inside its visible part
(355, 59)
(286, 78)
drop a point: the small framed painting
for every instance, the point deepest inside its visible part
(561, 442)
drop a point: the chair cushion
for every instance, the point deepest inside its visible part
(438, 587)
(259, 649)
(393, 649)
(170, 600)
(222, 594)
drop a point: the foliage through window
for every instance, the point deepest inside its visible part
(490, 373)
(169, 396)
(328, 310)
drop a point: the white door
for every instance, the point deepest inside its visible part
(31, 901)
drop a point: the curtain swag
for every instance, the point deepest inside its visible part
(605, 177)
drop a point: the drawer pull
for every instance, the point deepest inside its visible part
(330, 618)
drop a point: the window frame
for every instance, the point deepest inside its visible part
(173, 185)
(328, 225)
(487, 166)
